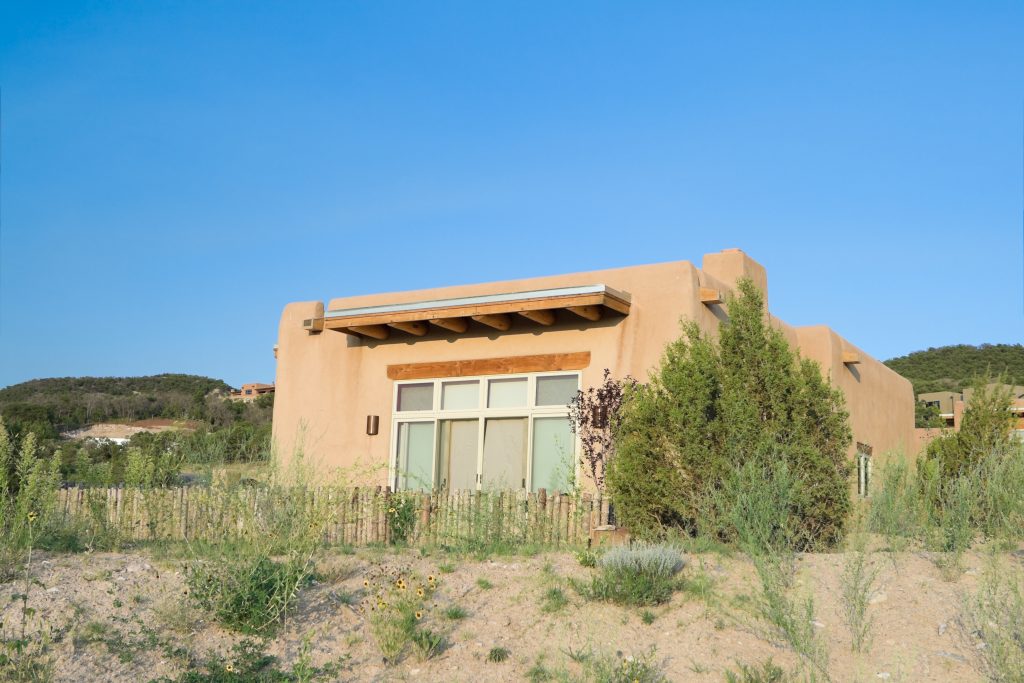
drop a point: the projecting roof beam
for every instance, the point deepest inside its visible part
(459, 325)
(541, 317)
(592, 313)
(414, 328)
(709, 296)
(380, 332)
(498, 321)
(851, 358)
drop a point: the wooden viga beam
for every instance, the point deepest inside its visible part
(592, 313)
(459, 325)
(541, 317)
(499, 321)
(373, 331)
(417, 329)
(709, 296)
(851, 358)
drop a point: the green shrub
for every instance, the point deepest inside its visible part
(985, 429)
(995, 618)
(644, 574)
(895, 506)
(717, 404)
(249, 663)
(767, 672)
(754, 507)
(401, 516)
(249, 594)
(856, 583)
(554, 600)
(630, 669)
(28, 498)
(498, 655)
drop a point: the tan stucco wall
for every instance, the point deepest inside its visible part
(880, 401)
(328, 383)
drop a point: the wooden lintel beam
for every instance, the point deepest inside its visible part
(374, 331)
(592, 313)
(498, 321)
(452, 324)
(851, 358)
(541, 317)
(417, 329)
(709, 296)
(491, 366)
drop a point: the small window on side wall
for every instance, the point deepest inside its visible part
(863, 470)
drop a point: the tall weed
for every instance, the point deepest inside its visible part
(994, 618)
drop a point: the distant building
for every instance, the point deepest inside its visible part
(250, 392)
(951, 409)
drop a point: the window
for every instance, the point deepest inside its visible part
(507, 393)
(556, 390)
(460, 395)
(505, 432)
(863, 474)
(415, 397)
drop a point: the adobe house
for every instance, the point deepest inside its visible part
(466, 387)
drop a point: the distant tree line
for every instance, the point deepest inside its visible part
(951, 368)
(48, 407)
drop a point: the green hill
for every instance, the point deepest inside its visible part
(49, 406)
(951, 368)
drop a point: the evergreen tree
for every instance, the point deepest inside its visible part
(715, 405)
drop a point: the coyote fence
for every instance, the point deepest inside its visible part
(348, 516)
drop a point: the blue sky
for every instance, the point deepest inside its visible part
(174, 173)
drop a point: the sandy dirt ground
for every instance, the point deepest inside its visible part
(118, 430)
(122, 617)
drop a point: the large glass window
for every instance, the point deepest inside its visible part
(505, 432)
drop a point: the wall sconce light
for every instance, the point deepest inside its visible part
(372, 424)
(599, 417)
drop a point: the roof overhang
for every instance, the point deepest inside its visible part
(494, 311)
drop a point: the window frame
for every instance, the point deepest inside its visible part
(481, 413)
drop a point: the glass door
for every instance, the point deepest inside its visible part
(553, 448)
(457, 454)
(415, 462)
(504, 455)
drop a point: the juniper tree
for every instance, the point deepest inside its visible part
(715, 404)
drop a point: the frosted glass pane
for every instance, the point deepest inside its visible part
(460, 395)
(553, 448)
(416, 455)
(459, 448)
(557, 390)
(506, 393)
(504, 453)
(415, 397)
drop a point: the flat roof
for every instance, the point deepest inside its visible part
(589, 302)
(482, 299)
